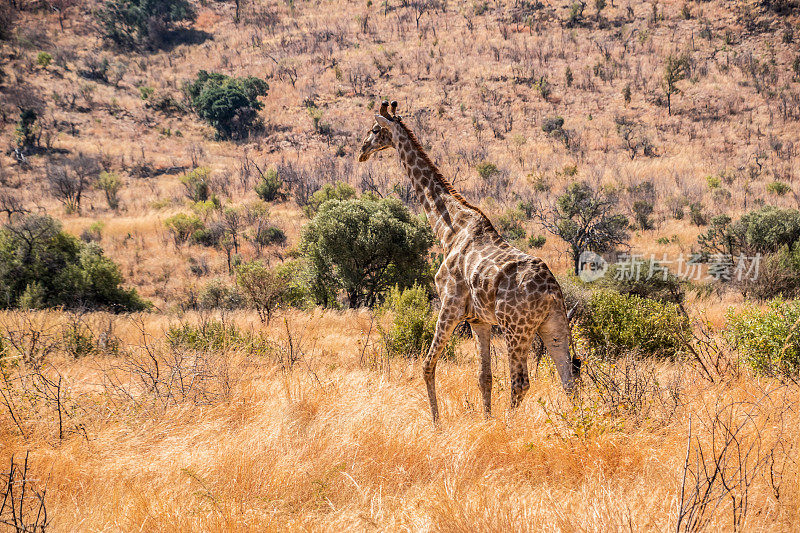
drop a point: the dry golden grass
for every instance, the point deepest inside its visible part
(341, 441)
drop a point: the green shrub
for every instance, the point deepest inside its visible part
(41, 266)
(110, 184)
(269, 187)
(764, 231)
(196, 184)
(263, 288)
(553, 125)
(537, 241)
(219, 295)
(617, 323)
(363, 247)
(337, 191)
(510, 225)
(778, 187)
(768, 340)
(44, 59)
(413, 323)
(183, 227)
(487, 170)
(78, 340)
(229, 105)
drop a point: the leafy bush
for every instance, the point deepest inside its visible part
(269, 187)
(44, 59)
(219, 295)
(767, 339)
(778, 187)
(337, 191)
(41, 266)
(510, 225)
(412, 325)
(487, 170)
(537, 241)
(129, 22)
(183, 227)
(230, 105)
(364, 246)
(110, 183)
(764, 231)
(618, 322)
(196, 184)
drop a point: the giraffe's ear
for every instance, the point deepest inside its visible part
(383, 122)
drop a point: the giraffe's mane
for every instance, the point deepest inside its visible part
(440, 178)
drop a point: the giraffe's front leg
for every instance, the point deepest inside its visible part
(449, 317)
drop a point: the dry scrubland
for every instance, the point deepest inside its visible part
(304, 423)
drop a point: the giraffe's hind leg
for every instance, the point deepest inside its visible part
(483, 338)
(518, 369)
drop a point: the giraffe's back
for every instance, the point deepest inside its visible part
(505, 283)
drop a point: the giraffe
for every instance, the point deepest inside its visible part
(482, 279)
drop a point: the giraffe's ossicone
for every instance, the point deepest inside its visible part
(483, 279)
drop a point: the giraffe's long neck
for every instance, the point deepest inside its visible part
(446, 213)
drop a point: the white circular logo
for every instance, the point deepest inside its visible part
(591, 266)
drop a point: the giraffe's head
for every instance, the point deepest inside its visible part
(382, 134)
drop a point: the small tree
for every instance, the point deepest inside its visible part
(68, 181)
(584, 218)
(676, 68)
(262, 287)
(110, 183)
(228, 104)
(364, 246)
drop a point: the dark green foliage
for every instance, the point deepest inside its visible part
(768, 339)
(696, 214)
(130, 22)
(364, 246)
(230, 105)
(764, 231)
(617, 323)
(413, 323)
(41, 266)
(338, 191)
(642, 209)
(269, 186)
(487, 170)
(537, 241)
